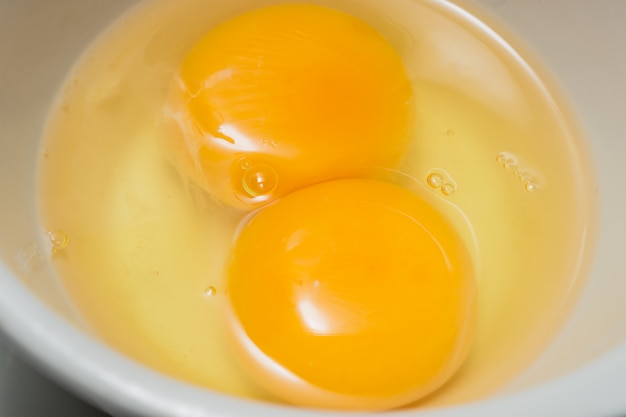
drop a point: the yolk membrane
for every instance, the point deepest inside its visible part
(287, 96)
(350, 294)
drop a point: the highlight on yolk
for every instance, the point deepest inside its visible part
(350, 294)
(286, 96)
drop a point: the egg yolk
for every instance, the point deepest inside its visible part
(350, 294)
(286, 96)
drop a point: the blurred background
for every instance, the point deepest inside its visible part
(26, 393)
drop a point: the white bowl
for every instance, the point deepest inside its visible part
(583, 372)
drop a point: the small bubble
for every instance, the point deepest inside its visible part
(210, 292)
(448, 189)
(506, 160)
(245, 164)
(58, 240)
(269, 143)
(531, 187)
(435, 180)
(441, 180)
(259, 180)
(450, 132)
(509, 162)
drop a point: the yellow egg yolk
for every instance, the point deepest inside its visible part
(350, 294)
(286, 96)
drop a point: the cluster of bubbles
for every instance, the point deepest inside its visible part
(440, 180)
(510, 163)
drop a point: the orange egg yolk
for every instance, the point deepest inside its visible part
(286, 96)
(350, 294)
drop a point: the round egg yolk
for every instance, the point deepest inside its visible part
(286, 96)
(350, 294)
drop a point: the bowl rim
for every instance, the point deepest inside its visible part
(84, 366)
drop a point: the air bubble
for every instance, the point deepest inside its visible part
(245, 164)
(435, 180)
(450, 132)
(58, 240)
(210, 292)
(506, 160)
(531, 187)
(509, 162)
(441, 180)
(259, 180)
(269, 143)
(448, 189)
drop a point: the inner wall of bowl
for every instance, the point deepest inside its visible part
(582, 43)
(40, 41)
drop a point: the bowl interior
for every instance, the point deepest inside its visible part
(581, 42)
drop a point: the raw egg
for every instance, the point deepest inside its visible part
(287, 96)
(350, 294)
